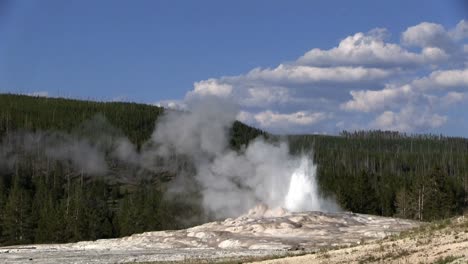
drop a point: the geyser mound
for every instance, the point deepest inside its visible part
(233, 237)
(262, 210)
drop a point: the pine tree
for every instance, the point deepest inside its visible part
(125, 216)
(17, 226)
(49, 218)
(3, 198)
(402, 203)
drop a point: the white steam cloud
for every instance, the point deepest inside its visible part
(233, 182)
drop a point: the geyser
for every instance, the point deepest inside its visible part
(302, 193)
(232, 182)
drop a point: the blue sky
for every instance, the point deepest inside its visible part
(256, 53)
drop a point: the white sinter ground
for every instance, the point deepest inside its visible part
(261, 232)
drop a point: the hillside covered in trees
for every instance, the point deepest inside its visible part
(423, 177)
(48, 194)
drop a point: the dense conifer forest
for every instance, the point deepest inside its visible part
(423, 177)
(51, 195)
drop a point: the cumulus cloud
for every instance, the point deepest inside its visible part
(269, 86)
(427, 35)
(211, 87)
(449, 78)
(289, 86)
(266, 95)
(409, 119)
(299, 74)
(452, 98)
(369, 49)
(460, 31)
(370, 100)
(418, 101)
(365, 81)
(275, 120)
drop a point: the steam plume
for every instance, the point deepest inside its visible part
(233, 182)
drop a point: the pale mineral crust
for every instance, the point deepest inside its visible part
(261, 232)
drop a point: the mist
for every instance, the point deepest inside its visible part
(80, 153)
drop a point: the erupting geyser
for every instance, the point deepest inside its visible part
(298, 191)
(232, 181)
(302, 192)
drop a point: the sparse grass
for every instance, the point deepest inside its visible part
(381, 247)
(230, 260)
(428, 229)
(367, 259)
(393, 255)
(447, 259)
(398, 254)
(423, 241)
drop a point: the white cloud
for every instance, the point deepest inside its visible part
(391, 96)
(299, 74)
(266, 87)
(245, 117)
(413, 107)
(211, 87)
(426, 35)
(461, 30)
(365, 81)
(449, 78)
(270, 119)
(369, 50)
(409, 119)
(368, 100)
(265, 95)
(434, 54)
(452, 98)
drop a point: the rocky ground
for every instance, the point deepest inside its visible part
(439, 242)
(260, 233)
